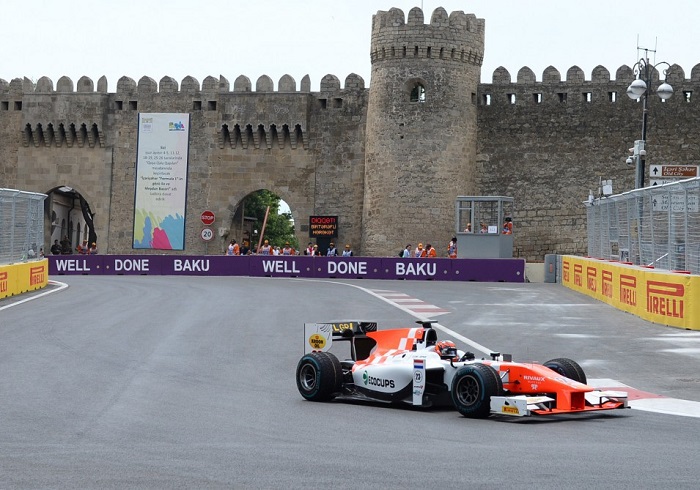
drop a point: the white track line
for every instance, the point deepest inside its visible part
(61, 285)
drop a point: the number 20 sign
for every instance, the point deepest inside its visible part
(207, 234)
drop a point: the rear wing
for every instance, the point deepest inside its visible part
(319, 337)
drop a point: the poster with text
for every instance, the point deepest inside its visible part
(161, 181)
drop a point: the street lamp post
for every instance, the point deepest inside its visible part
(641, 88)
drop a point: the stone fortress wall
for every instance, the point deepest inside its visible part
(547, 143)
(388, 167)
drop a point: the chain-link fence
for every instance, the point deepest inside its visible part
(21, 225)
(654, 226)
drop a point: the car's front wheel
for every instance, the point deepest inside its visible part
(567, 367)
(319, 376)
(472, 389)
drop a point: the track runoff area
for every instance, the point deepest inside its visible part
(422, 310)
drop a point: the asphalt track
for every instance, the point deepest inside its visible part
(188, 382)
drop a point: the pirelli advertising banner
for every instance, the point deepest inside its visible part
(20, 278)
(161, 181)
(658, 296)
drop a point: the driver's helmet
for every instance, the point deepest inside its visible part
(446, 349)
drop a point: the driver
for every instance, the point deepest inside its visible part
(446, 349)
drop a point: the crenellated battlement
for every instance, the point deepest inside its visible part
(168, 85)
(455, 37)
(575, 88)
(599, 75)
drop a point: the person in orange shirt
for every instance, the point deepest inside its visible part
(430, 252)
(419, 251)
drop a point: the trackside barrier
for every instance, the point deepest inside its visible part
(23, 277)
(658, 296)
(484, 270)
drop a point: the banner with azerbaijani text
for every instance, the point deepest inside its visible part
(161, 181)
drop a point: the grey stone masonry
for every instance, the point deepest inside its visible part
(389, 159)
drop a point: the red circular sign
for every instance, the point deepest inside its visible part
(207, 217)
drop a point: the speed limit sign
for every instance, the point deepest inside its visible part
(207, 234)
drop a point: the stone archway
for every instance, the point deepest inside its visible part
(70, 220)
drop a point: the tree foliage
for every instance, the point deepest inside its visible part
(280, 227)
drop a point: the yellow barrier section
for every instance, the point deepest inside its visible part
(658, 296)
(20, 278)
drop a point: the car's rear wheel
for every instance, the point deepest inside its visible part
(319, 376)
(567, 367)
(472, 389)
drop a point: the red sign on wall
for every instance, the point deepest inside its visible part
(208, 218)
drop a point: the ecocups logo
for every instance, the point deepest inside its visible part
(176, 126)
(378, 382)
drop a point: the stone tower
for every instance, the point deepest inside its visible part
(421, 127)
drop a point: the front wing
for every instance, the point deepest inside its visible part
(524, 405)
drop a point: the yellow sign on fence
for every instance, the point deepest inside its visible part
(20, 278)
(658, 296)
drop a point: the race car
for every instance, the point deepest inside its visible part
(410, 366)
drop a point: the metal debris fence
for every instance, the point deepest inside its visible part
(21, 225)
(655, 226)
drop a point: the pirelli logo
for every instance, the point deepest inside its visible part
(628, 290)
(37, 275)
(592, 279)
(566, 266)
(578, 275)
(3, 282)
(607, 283)
(665, 298)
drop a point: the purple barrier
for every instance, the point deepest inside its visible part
(483, 270)
(488, 270)
(413, 268)
(348, 267)
(280, 266)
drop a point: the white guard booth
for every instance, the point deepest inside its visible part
(484, 227)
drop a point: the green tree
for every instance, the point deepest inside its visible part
(280, 227)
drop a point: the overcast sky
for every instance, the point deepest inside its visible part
(264, 37)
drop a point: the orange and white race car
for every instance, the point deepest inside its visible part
(410, 365)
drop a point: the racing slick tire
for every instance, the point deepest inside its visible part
(319, 376)
(567, 367)
(472, 388)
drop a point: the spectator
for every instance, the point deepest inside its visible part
(315, 252)
(419, 251)
(484, 228)
(266, 248)
(309, 249)
(468, 229)
(82, 249)
(407, 252)
(233, 248)
(452, 248)
(245, 249)
(430, 251)
(276, 250)
(93, 249)
(288, 249)
(508, 226)
(56, 248)
(332, 251)
(66, 248)
(348, 251)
